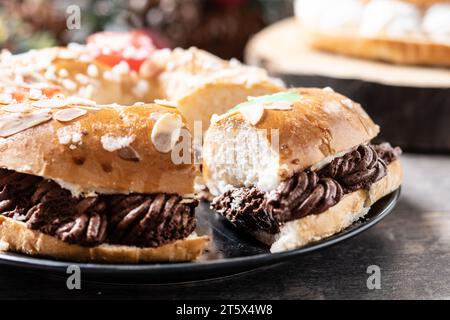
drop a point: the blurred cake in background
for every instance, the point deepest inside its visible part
(398, 31)
(393, 56)
(221, 27)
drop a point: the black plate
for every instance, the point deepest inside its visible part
(231, 252)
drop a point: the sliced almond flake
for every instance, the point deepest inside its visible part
(4, 246)
(161, 57)
(85, 58)
(92, 70)
(106, 51)
(6, 98)
(67, 54)
(347, 102)
(187, 200)
(80, 101)
(86, 91)
(5, 55)
(70, 114)
(332, 106)
(9, 89)
(17, 107)
(15, 123)
(121, 68)
(215, 117)
(50, 74)
(252, 114)
(156, 115)
(59, 96)
(69, 84)
(166, 132)
(87, 107)
(35, 94)
(50, 103)
(128, 154)
(328, 89)
(81, 78)
(113, 77)
(63, 73)
(278, 105)
(18, 80)
(74, 46)
(166, 103)
(141, 88)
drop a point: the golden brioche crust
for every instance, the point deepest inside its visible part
(107, 87)
(322, 124)
(17, 237)
(199, 84)
(73, 152)
(404, 51)
(79, 155)
(425, 3)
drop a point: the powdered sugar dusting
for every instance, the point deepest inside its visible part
(332, 106)
(112, 143)
(70, 134)
(348, 103)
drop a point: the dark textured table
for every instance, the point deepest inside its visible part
(411, 247)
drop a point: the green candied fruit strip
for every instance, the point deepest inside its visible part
(276, 97)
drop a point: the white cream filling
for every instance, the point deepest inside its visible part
(390, 18)
(436, 23)
(78, 191)
(323, 13)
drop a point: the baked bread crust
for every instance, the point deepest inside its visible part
(405, 51)
(321, 124)
(89, 164)
(352, 207)
(73, 152)
(410, 32)
(15, 236)
(425, 3)
(199, 84)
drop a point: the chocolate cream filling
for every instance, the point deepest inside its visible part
(306, 192)
(143, 220)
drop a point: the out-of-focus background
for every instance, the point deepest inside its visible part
(265, 33)
(222, 27)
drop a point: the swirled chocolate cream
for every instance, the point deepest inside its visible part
(88, 183)
(297, 166)
(141, 220)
